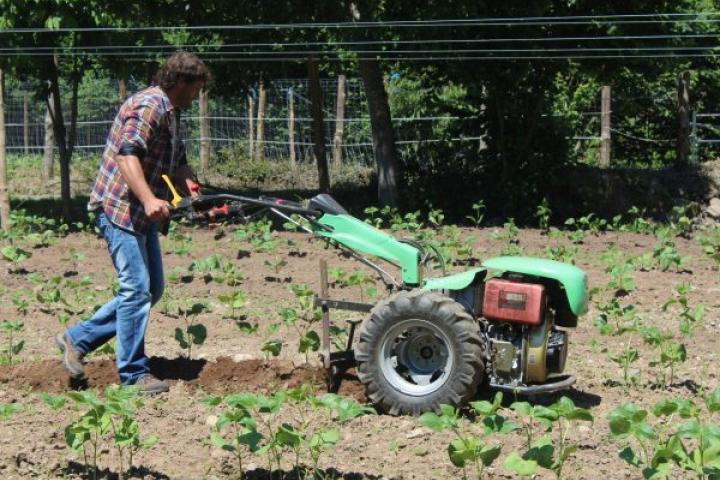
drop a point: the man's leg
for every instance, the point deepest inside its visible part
(133, 307)
(92, 333)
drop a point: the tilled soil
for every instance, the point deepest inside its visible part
(32, 441)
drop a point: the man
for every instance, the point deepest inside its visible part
(129, 201)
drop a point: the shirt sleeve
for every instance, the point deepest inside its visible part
(139, 126)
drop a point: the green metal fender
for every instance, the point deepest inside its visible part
(573, 280)
(358, 235)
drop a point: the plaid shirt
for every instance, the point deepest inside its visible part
(147, 120)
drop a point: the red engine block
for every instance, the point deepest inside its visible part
(514, 302)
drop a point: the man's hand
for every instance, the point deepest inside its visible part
(157, 209)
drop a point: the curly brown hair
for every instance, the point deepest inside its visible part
(182, 66)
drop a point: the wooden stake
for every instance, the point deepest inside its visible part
(605, 127)
(122, 90)
(291, 127)
(339, 122)
(325, 348)
(204, 131)
(260, 144)
(26, 122)
(4, 198)
(251, 130)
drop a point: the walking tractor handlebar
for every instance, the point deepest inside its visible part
(435, 337)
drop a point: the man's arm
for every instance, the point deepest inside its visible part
(132, 172)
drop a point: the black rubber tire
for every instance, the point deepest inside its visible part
(444, 314)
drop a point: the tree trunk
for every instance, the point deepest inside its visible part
(49, 149)
(4, 199)
(62, 141)
(318, 124)
(382, 131)
(683, 116)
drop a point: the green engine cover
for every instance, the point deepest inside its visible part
(573, 280)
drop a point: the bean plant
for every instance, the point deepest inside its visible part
(710, 243)
(250, 424)
(194, 333)
(547, 452)
(683, 437)
(11, 348)
(111, 418)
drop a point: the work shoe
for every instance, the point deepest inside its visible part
(72, 358)
(150, 385)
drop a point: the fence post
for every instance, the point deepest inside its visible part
(683, 141)
(4, 199)
(204, 131)
(339, 122)
(122, 90)
(605, 127)
(26, 122)
(694, 144)
(291, 127)
(260, 143)
(49, 143)
(251, 132)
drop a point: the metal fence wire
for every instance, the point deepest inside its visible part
(229, 121)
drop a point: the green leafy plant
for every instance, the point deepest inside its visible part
(112, 417)
(710, 243)
(250, 424)
(258, 234)
(464, 450)
(547, 452)
(276, 265)
(622, 279)
(625, 359)
(436, 217)
(11, 348)
(655, 448)
(373, 219)
(194, 333)
(15, 255)
(359, 278)
(510, 236)
(181, 242)
(543, 213)
(7, 410)
(478, 213)
(690, 318)
(617, 319)
(665, 254)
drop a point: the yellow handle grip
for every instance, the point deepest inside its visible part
(176, 198)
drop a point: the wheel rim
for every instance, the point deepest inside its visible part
(415, 357)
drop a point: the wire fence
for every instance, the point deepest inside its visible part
(287, 122)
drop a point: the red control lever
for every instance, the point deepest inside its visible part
(224, 210)
(194, 187)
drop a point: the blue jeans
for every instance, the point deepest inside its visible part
(138, 263)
